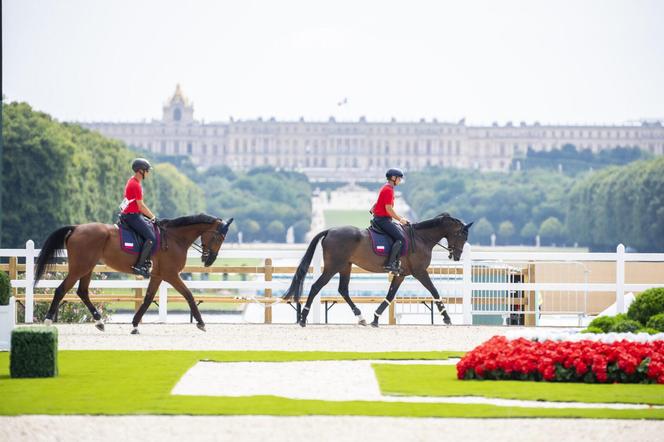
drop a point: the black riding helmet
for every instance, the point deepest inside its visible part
(141, 164)
(393, 172)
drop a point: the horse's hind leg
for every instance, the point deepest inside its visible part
(344, 280)
(84, 294)
(60, 293)
(315, 288)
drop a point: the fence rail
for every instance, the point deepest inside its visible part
(483, 286)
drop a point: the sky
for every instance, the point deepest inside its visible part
(559, 61)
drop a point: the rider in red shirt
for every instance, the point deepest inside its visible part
(383, 212)
(134, 213)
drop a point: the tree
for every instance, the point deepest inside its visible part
(528, 232)
(551, 230)
(482, 231)
(505, 232)
(300, 229)
(276, 230)
(250, 229)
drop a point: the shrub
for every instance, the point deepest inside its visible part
(592, 329)
(34, 352)
(647, 304)
(5, 289)
(604, 323)
(650, 331)
(656, 322)
(626, 326)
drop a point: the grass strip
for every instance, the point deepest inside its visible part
(139, 382)
(441, 380)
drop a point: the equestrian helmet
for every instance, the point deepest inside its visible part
(140, 164)
(393, 172)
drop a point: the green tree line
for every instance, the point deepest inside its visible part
(55, 174)
(600, 209)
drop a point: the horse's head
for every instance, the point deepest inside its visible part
(456, 240)
(211, 241)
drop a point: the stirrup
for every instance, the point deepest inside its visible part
(393, 268)
(142, 271)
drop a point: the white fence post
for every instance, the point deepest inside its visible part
(315, 305)
(29, 281)
(467, 305)
(620, 279)
(163, 302)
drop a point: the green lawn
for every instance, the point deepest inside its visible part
(139, 382)
(357, 218)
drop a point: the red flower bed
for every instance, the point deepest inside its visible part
(566, 361)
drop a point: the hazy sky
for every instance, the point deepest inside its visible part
(552, 61)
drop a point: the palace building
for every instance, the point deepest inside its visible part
(362, 149)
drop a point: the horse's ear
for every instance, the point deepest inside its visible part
(467, 226)
(230, 221)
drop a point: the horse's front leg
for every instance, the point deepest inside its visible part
(153, 285)
(391, 293)
(180, 286)
(424, 278)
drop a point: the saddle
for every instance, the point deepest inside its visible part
(131, 242)
(381, 242)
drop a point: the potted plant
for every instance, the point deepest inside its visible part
(7, 312)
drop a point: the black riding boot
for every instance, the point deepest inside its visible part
(392, 264)
(142, 266)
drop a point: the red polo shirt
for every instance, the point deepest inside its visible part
(133, 191)
(385, 197)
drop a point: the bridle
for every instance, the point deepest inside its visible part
(451, 249)
(218, 234)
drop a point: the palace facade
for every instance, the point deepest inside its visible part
(363, 149)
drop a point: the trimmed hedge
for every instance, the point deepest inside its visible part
(604, 323)
(656, 322)
(647, 304)
(34, 352)
(5, 289)
(626, 326)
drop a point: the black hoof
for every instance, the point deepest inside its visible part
(374, 324)
(303, 323)
(201, 326)
(363, 322)
(134, 331)
(100, 326)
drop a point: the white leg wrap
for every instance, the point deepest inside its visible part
(48, 321)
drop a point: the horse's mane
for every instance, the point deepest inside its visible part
(435, 221)
(201, 218)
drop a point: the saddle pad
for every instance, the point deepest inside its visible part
(130, 242)
(381, 243)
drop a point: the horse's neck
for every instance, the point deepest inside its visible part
(188, 234)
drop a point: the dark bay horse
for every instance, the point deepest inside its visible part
(88, 244)
(348, 245)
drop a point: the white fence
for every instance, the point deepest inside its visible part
(499, 285)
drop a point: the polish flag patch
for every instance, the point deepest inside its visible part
(129, 244)
(380, 248)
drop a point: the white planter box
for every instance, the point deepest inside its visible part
(7, 323)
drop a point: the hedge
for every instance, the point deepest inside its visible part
(34, 352)
(647, 304)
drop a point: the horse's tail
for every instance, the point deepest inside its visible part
(295, 288)
(51, 249)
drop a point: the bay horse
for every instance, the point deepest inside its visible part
(88, 244)
(348, 245)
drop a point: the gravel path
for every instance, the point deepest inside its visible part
(319, 428)
(276, 337)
